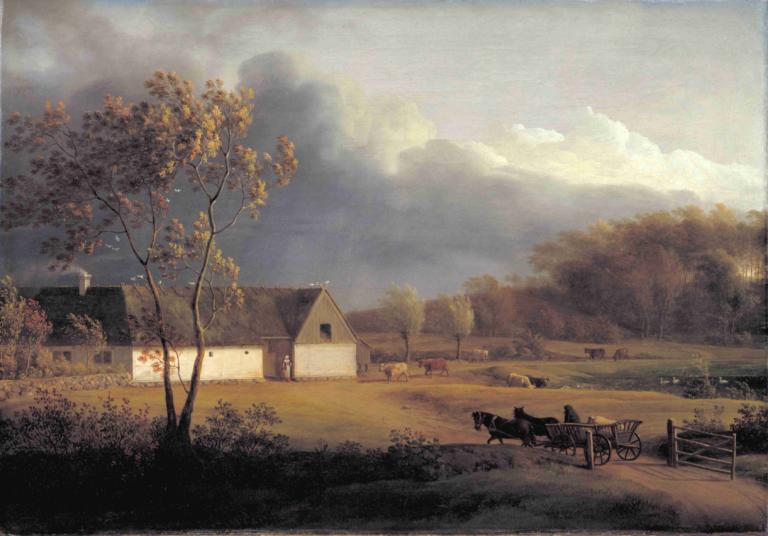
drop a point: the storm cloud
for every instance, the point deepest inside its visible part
(381, 196)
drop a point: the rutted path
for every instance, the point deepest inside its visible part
(703, 497)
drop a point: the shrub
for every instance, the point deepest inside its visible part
(740, 390)
(695, 381)
(743, 338)
(707, 420)
(697, 388)
(413, 456)
(751, 427)
(548, 321)
(55, 425)
(602, 330)
(576, 329)
(502, 352)
(228, 430)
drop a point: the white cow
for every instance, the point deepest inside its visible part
(394, 370)
(518, 380)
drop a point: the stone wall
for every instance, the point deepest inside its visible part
(27, 386)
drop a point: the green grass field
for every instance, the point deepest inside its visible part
(571, 368)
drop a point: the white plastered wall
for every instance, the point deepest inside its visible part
(220, 363)
(121, 355)
(325, 360)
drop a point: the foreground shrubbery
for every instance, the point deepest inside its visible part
(751, 426)
(79, 462)
(76, 468)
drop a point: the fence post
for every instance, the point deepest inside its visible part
(589, 449)
(671, 443)
(733, 455)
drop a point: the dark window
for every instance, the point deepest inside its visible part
(67, 356)
(210, 354)
(325, 331)
(57, 354)
(104, 357)
(246, 352)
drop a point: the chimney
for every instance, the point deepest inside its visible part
(84, 281)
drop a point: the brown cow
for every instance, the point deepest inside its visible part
(621, 353)
(432, 365)
(595, 353)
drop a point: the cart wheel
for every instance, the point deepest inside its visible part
(602, 449)
(564, 445)
(631, 449)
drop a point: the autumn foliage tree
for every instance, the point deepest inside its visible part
(85, 331)
(108, 177)
(688, 271)
(115, 176)
(230, 179)
(24, 328)
(403, 311)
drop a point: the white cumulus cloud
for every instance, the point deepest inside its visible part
(599, 150)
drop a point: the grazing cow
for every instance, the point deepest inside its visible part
(394, 370)
(431, 365)
(595, 353)
(518, 380)
(621, 353)
(538, 424)
(500, 428)
(570, 414)
(539, 382)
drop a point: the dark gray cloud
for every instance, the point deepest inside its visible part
(444, 216)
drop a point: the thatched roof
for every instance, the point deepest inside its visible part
(266, 312)
(105, 304)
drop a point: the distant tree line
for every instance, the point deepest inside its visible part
(687, 273)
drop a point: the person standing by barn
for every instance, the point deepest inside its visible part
(286, 368)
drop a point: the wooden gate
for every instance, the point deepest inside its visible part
(699, 449)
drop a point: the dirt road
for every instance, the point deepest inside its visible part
(703, 498)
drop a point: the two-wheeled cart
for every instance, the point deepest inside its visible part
(620, 436)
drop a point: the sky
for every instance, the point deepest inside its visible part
(436, 140)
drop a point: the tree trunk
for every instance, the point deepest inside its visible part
(29, 361)
(661, 325)
(185, 419)
(407, 348)
(170, 407)
(458, 347)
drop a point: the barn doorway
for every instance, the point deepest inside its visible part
(273, 357)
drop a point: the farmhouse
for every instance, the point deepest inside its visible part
(249, 342)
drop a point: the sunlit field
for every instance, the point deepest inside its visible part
(366, 409)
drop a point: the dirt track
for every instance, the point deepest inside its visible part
(703, 497)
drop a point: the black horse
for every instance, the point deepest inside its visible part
(501, 428)
(538, 424)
